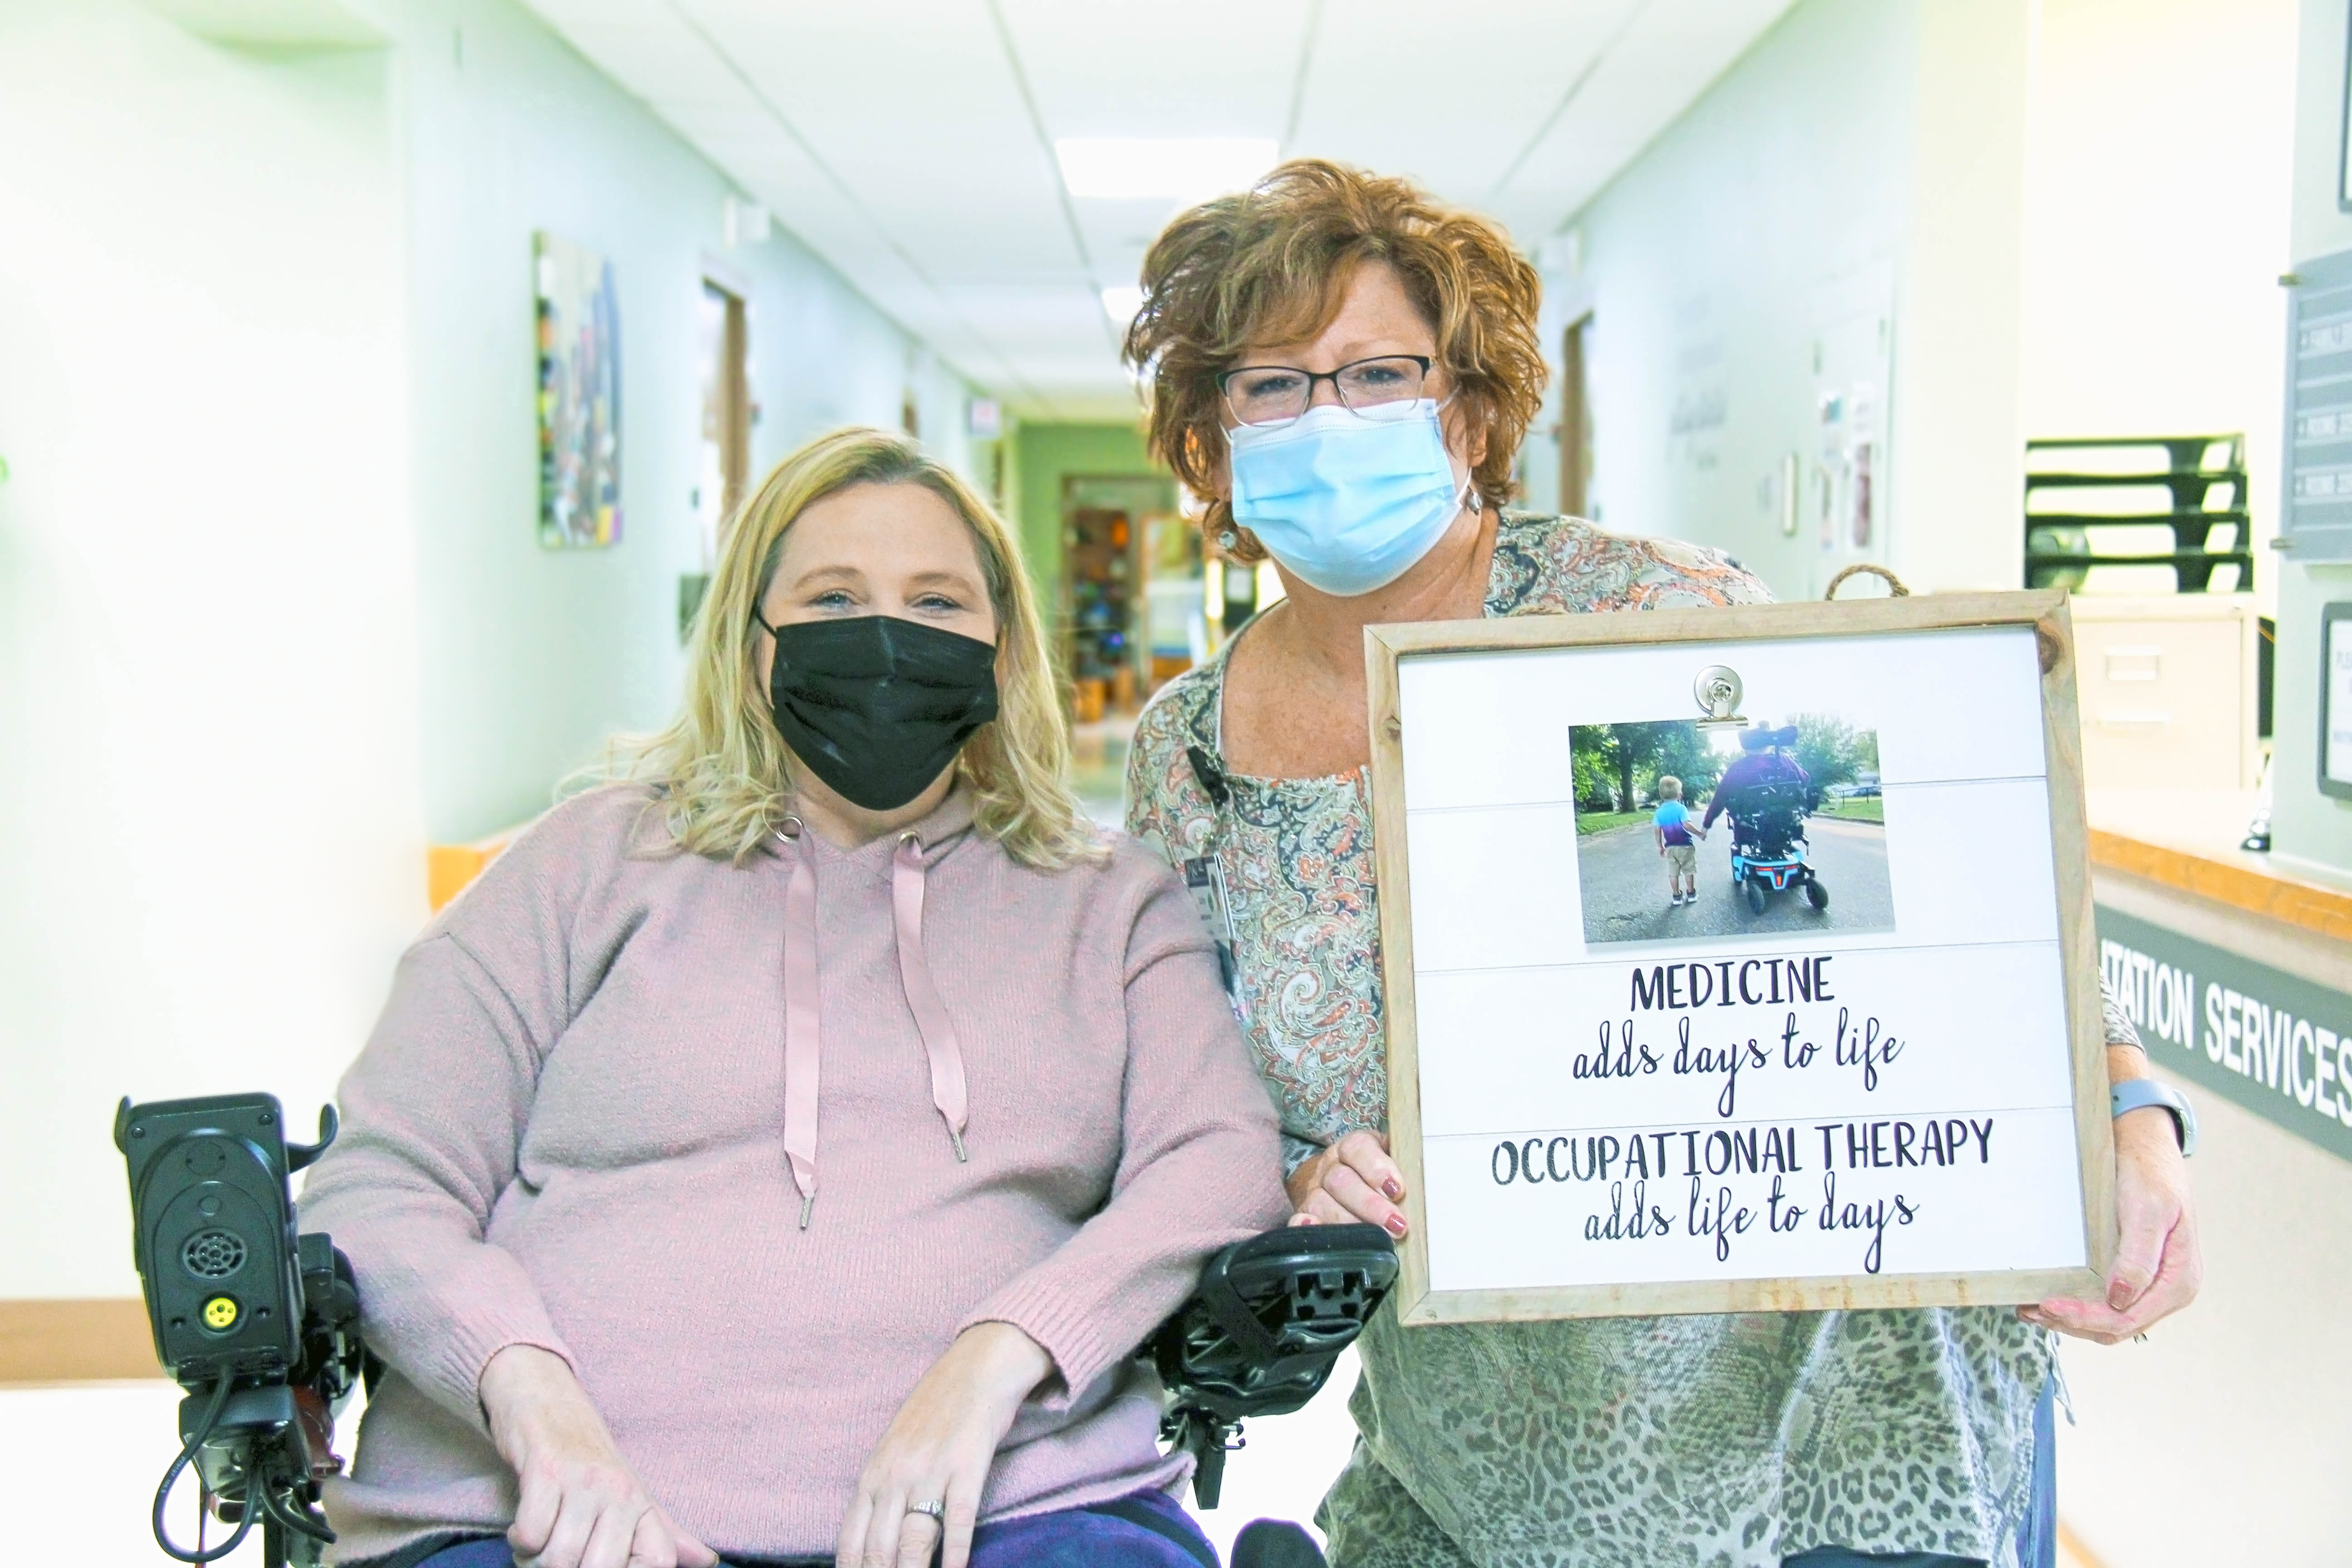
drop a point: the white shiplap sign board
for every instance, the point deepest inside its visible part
(1894, 1100)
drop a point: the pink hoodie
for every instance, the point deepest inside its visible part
(569, 1131)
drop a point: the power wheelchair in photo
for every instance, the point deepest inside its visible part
(261, 1325)
(1770, 851)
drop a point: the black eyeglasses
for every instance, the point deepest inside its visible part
(1276, 395)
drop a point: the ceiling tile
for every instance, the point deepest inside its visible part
(896, 138)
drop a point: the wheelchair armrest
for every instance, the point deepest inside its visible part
(1260, 1334)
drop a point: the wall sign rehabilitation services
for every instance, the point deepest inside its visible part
(1863, 1065)
(2275, 1043)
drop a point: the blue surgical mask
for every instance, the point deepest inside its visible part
(1346, 501)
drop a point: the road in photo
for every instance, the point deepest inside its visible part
(1623, 880)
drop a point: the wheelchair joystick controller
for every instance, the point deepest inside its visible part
(1259, 1336)
(260, 1326)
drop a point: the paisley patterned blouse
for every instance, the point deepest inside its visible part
(1728, 1442)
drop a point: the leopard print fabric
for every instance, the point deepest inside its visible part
(1728, 1442)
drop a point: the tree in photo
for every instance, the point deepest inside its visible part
(1833, 752)
(1592, 762)
(1621, 764)
(1677, 748)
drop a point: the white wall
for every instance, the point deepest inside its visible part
(2312, 833)
(1959, 449)
(210, 837)
(273, 611)
(531, 657)
(2157, 187)
(1847, 194)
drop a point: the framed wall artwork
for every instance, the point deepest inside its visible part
(578, 322)
(2344, 125)
(2335, 700)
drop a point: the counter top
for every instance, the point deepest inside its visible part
(2189, 839)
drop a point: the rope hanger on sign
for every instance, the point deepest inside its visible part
(1895, 588)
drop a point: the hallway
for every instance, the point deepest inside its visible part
(381, 382)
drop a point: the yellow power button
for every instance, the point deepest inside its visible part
(220, 1312)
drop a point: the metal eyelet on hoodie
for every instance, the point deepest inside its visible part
(802, 1025)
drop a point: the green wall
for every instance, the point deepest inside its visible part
(1041, 456)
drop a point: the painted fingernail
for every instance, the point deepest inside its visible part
(1394, 1188)
(1396, 1225)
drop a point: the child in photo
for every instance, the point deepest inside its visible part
(1674, 829)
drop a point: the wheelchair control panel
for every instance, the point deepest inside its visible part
(1261, 1333)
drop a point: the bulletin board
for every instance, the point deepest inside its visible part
(1863, 1066)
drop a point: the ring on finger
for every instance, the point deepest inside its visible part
(935, 1511)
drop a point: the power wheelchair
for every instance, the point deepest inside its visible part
(261, 1325)
(1770, 851)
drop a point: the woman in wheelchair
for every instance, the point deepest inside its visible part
(1767, 796)
(1763, 760)
(779, 1151)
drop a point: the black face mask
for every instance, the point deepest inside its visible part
(875, 706)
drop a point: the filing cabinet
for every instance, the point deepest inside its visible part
(2167, 687)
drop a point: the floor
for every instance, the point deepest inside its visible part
(82, 1461)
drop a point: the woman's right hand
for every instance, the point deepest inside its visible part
(580, 1506)
(1353, 1182)
(917, 1498)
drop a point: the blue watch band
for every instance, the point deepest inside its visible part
(2137, 1093)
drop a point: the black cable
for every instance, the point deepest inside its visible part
(283, 1509)
(163, 1493)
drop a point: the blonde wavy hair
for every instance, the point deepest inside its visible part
(724, 774)
(1271, 264)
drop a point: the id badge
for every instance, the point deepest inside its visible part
(1205, 879)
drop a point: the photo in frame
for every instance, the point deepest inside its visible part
(1862, 1065)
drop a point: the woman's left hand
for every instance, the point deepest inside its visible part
(938, 1449)
(2157, 1269)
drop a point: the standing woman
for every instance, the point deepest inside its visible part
(1346, 368)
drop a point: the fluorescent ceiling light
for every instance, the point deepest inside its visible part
(1121, 304)
(1171, 168)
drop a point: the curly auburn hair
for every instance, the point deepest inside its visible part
(1271, 264)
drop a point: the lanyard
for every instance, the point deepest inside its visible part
(1204, 878)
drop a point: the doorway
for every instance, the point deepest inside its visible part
(1575, 420)
(1131, 617)
(1115, 529)
(723, 466)
(726, 410)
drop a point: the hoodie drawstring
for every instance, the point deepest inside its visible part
(801, 1027)
(801, 1018)
(939, 1047)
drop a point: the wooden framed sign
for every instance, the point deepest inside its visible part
(1740, 960)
